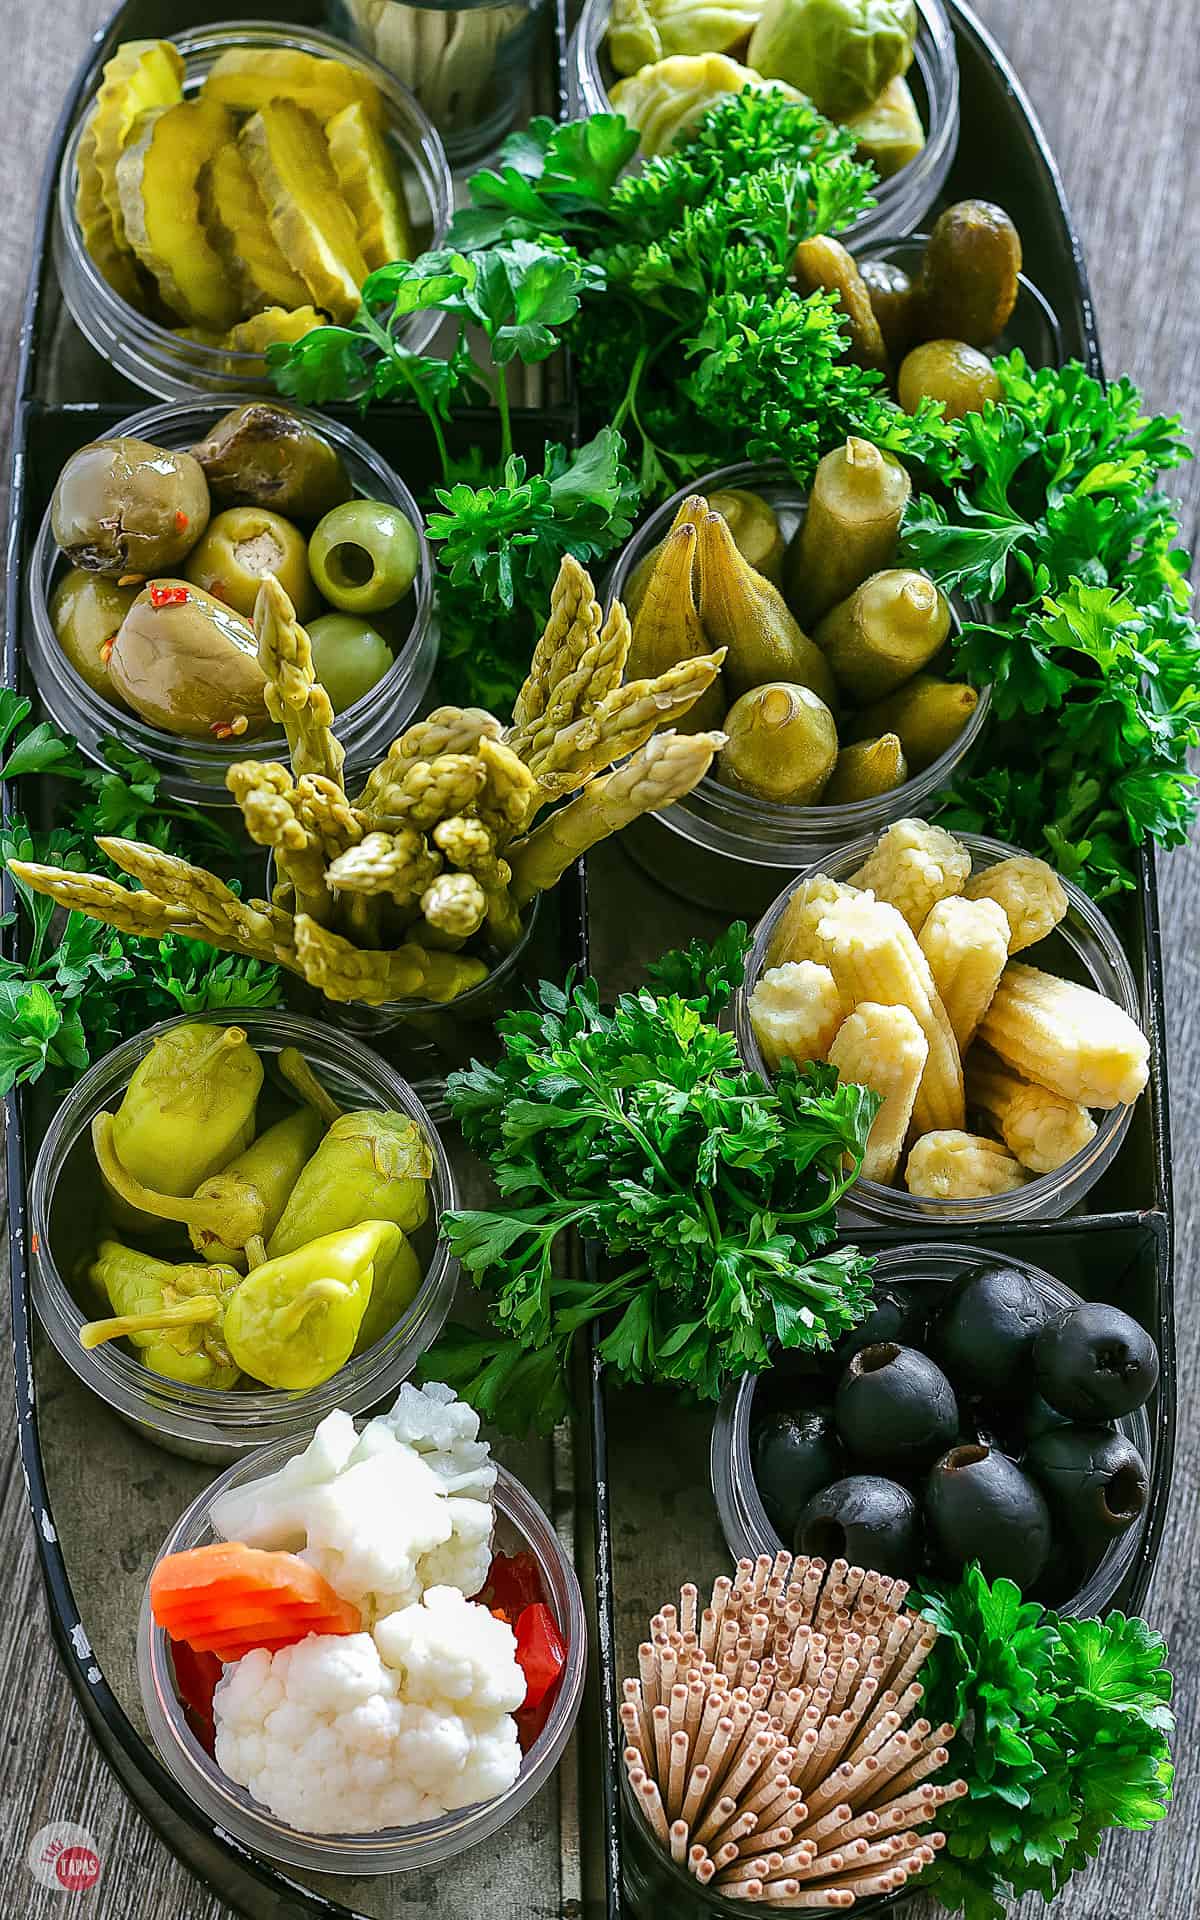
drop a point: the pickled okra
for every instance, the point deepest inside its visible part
(781, 745)
(926, 714)
(864, 771)
(850, 530)
(745, 614)
(886, 631)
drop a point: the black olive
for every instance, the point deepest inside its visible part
(1036, 1417)
(984, 1334)
(980, 1506)
(795, 1454)
(895, 1407)
(1094, 1478)
(898, 1314)
(870, 1522)
(1095, 1363)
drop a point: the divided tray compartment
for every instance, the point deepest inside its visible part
(627, 1485)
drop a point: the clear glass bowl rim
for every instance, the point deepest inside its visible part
(395, 1850)
(179, 425)
(743, 1517)
(219, 364)
(894, 1205)
(203, 1415)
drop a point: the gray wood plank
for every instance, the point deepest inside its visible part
(1117, 83)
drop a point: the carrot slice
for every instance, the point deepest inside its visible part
(228, 1598)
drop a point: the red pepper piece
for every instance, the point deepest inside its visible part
(196, 1677)
(164, 596)
(513, 1583)
(541, 1653)
(182, 520)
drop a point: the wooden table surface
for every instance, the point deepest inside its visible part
(1117, 83)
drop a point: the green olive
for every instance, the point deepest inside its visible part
(240, 546)
(961, 377)
(364, 556)
(124, 506)
(189, 664)
(86, 612)
(349, 657)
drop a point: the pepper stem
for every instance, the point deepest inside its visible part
(201, 1311)
(317, 1293)
(256, 1252)
(205, 1215)
(295, 1068)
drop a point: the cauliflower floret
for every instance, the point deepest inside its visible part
(327, 1736)
(368, 1529)
(272, 1512)
(445, 1432)
(449, 1649)
(464, 1559)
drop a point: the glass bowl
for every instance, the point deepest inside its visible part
(901, 202)
(153, 356)
(468, 65)
(195, 770)
(729, 850)
(1085, 947)
(203, 1423)
(520, 1526)
(1033, 326)
(744, 1520)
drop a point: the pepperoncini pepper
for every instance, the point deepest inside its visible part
(188, 1109)
(173, 1315)
(394, 1290)
(231, 1207)
(295, 1320)
(371, 1165)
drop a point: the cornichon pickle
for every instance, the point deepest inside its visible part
(968, 284)
(927, 714)
(891, 295)
(961, 377)
(865, 771)
(263, 455)
(851, 528)
(748, 616)
(86, 612)
(824, 263)
(889, 132)
(782, 745)
(887, 630)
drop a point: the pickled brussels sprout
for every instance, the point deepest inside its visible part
(125, 507)
(86, 611)
(364, 556)
(782, 745)
(961, 377)
(349, 657)
(665, 100)
(189, 665)
(241, 545)
(263, 455)
(841, 53)
(642, 31)
(889, 132)
(969, 278)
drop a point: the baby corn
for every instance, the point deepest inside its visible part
(966, 945)
(1067, 1038)
(795, 938)
(1042, 1129)
(952, 1165)
(1031, 894)
(873, 955)
(885, 1049)
(913, 866)
(795, 1011)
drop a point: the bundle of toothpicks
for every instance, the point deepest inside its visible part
(770, 1741)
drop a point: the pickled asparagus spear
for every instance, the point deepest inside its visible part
(247, 926)
(295, 699)
(953, 1165)
(344, 972)
(872, 955)
(400, 865)
(1040, 1128)
(966, 945)
(883, 1047)
(1032, 896)
(913, 866)
(1066, 1037)
(623, 721)
(267, 796)
(795, 1011)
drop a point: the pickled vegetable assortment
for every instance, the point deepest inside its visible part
(849, 57)
(203, 529)
(249, 211)
(341, 1588)
(904, 979)
(845, 711)
(299, 1230)
(972, 1422)
(415, 887)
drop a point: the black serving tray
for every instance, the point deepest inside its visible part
(630, 1483)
